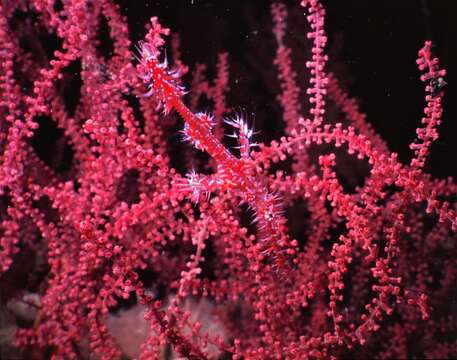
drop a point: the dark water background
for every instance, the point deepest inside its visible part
(373, 47)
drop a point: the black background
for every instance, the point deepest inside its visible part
(373, 47)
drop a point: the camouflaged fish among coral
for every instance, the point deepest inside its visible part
(227, 180)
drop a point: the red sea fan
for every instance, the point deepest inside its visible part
(145, 214)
